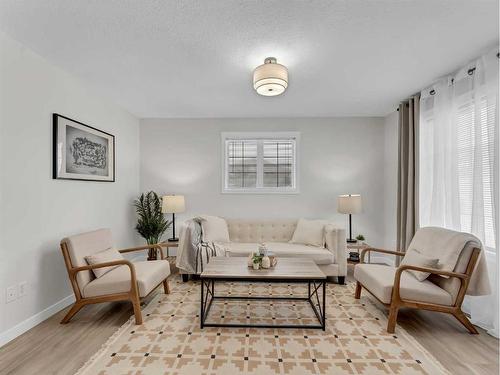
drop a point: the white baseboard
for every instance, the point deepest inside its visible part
(34, 320)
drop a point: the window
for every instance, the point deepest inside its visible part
(260, 162)
(457, 156)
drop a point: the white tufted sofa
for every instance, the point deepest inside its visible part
(246, 235)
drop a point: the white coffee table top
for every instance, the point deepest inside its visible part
(237, 268)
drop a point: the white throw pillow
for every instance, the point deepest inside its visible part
(105, 256)
(309, 232)
(414, 258)
(214, 229)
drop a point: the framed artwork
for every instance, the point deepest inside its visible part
(82, 152)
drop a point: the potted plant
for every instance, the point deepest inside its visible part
(257, 259)
(360, 238)
(151, 224)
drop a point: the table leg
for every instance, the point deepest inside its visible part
(324, 306)
(202, 308)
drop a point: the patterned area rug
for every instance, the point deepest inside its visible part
(171, 342)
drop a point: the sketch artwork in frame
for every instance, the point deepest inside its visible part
(82, 152)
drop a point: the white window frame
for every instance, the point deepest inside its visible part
(260, 137)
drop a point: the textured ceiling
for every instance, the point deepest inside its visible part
(160, 58)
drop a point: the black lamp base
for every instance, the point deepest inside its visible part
(173, 239)
(351, 241)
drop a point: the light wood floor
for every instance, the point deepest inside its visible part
(51, 348)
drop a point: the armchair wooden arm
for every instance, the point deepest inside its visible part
(375, 250)
(144, 247)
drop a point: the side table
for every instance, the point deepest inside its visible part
(168, 245)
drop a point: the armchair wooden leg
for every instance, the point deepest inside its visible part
(166, 287)
(136, 304)
(74, 309)
(357, 293)
(465, 321)
(393, 317)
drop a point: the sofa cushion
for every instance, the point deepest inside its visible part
(379, 280)
(309, 232)
(214, 229)
(255, 230)
(319, 255)
(149, 275)
(238, 249)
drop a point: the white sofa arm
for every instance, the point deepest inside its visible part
(335, 242)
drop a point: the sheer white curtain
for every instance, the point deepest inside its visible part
(458, 171)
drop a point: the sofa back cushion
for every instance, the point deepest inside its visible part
(214, 228)
(310, 232)
(246, 230)
(85, 244)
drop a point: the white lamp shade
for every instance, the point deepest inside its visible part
(270, 79)
(349, 204)
(173, 204)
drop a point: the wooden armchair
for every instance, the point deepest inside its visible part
(130, 281)
(395, 288)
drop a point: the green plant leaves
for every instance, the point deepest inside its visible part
(151, 223)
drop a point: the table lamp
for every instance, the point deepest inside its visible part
(173, 204)
(349, 204)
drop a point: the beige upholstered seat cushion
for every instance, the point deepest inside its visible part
(149, 275)
(379, 280)
(319, 255)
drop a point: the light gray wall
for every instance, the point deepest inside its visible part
(390, 179)
(36, 211)
(337, 156)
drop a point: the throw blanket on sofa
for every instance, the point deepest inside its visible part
(193, 253)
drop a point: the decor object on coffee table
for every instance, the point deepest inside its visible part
(173, 204)
(123, 280)
(349, 204)
(459, 255)
(151, 223)
(81, 152)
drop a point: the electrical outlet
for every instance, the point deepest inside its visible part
(23, 288)
(11, 294)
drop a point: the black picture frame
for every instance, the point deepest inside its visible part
(101, 143)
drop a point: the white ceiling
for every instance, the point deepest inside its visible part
(160, 58)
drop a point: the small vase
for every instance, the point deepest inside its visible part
(256, 266)
(152, 254)
(250, 260)
(266, 262)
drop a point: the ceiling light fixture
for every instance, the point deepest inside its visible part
(270, 78)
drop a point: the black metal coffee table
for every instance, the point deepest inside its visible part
(288, 270)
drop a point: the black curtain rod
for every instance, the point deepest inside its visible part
(469, 72)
